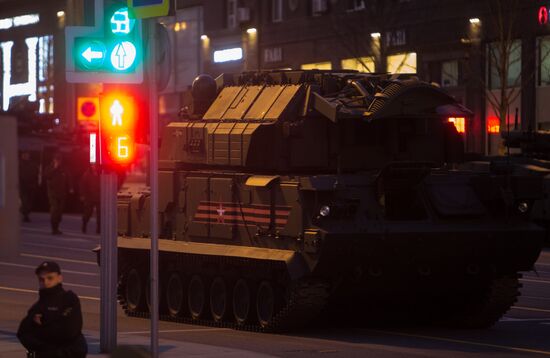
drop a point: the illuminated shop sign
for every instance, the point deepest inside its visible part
(230, 54)
(543, 15)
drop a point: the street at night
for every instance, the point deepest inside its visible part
(524, 331)
(282, 178)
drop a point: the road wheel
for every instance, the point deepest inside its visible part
(265, 303)
(175, 295)
(218, 299)
(134, 291)
(162, 306)
(196, 297)
(241, 301)
(482, 308)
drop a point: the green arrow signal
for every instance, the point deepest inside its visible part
(91, 55)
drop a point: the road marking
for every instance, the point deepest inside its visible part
(530, 309)
(460, 341)
(60, 259)
(536, 281)
(536, 273)
(536, 298)
(58, 247)
(33, 267)
(180, 330)
(67, 237)
(79, 285)
(511, 319)
(13, 289)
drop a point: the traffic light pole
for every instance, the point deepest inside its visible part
(153, 165)
(108, 267)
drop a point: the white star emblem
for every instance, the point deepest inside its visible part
(221, 212)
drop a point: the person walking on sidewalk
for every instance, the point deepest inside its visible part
(28, 183)
(89, 195)
(57, 182)
(52, 327)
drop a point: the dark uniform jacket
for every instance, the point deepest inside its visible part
(57, 182)
(60, 334)
(89, 186)
(28, 175)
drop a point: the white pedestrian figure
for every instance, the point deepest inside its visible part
(116, 112)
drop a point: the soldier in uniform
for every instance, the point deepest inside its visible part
(28, 182)
(53, 325)
(57, 182)
(89, 194)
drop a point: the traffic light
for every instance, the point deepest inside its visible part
(87, 109)
(117, 129)
(108, 54)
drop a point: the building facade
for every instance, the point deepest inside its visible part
(453, 43)
(31, 46)
(449, 42)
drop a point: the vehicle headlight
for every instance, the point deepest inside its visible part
(523, 207)
(324, 211)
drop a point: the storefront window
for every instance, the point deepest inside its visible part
(362, 64)
(544, 61)
(402, 63)
(317, 66)
(276, 10)
(449, 74)
(497, 66)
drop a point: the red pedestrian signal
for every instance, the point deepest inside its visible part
(117, 129)
(87, 108)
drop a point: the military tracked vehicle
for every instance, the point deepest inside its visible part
(286, 193)
(532, 155)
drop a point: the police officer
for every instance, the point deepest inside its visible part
(89, 195)
(57, 182)
(53, 325)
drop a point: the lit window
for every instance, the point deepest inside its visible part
(45, 73)
(230, 54)
(26, 20)
(317, 66)
(22, 20)
(493, 125)
(497, 65)
(449, 74)
(27, 88)
(276, 10)
(231, 14)
(402, 63)
(6, 24)
(362, 64)
(460, 124)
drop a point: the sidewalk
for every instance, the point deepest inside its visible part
(10, 347)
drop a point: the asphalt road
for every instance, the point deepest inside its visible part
(525, 331)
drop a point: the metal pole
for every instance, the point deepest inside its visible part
(108, 277)
(153, 165)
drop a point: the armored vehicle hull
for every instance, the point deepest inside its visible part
(298, 192)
